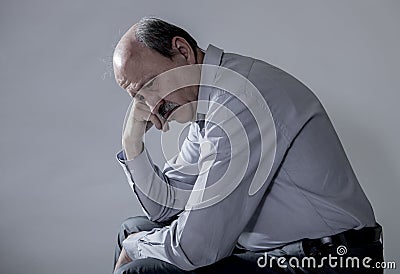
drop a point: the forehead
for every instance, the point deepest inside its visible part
(137, 68)
(130, 71)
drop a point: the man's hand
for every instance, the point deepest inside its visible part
(123, 259)
(123, 256)
(140, 119)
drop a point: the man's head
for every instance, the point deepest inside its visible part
(153, 48)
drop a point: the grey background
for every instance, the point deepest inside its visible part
(63, 195)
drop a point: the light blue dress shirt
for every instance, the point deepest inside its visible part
(311, 190)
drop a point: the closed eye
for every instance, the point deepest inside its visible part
(139, 97)
(149, 84)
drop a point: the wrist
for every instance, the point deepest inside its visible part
(132, 150)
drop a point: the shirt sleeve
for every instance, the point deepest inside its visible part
(220, 205)
(163, 193)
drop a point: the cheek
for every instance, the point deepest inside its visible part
(178, 96)
(183, 114)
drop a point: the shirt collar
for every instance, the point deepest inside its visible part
(213, 56)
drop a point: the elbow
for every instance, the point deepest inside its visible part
(199, 257)
(160, 217)
(197, 262)
(156, 218)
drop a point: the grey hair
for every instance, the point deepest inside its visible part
(157, 35)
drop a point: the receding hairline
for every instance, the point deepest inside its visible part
(127, 47)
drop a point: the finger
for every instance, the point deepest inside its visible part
(137, 104)
(156, 121)
(162, 120)
(142, 112)
(148, 125)
(166, 126)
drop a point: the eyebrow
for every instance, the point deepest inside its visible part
(122, 83)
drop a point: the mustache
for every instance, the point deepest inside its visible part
(167, 108)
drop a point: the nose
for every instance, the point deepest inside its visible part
(153, 102)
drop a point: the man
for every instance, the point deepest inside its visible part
(261, 174)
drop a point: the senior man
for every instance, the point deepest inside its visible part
(261, 180)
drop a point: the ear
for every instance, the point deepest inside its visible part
(182, 47)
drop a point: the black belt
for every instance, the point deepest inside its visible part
(349, 238)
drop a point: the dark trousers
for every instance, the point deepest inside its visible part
(243, 262)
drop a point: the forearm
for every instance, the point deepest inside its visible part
(197, 238)
(132, 150)
(139, 121)
(132, 139)
(155, 191)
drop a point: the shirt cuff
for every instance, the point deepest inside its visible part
(121, 156)
(140, 167)
(131, 245)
